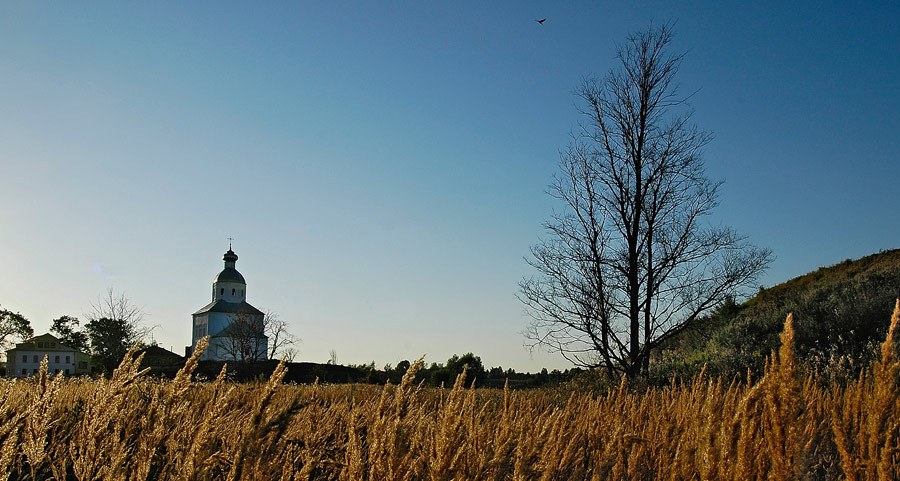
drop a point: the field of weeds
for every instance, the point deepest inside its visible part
(785, 425)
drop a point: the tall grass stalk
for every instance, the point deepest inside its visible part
(784, 426)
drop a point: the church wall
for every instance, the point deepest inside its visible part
(220, 349)
(212, 324)
(223, 290)
(228, 287)
(218, 321)
(200, 328)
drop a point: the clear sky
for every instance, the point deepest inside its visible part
(382, 166)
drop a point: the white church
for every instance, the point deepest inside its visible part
(235, 328)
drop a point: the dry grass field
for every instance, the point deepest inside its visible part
(785, 425)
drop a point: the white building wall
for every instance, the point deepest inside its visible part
(229, 291)
(212, 324)
(218, 321)
(30, 362)
(220, 349)
(201, 322)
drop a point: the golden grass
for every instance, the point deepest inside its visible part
(785, 426)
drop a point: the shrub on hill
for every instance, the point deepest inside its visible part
(837, 311)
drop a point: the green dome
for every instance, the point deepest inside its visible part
(230, 274)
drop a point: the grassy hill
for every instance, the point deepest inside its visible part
(840, 312)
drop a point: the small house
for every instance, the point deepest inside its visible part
(24, 360)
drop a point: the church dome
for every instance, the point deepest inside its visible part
(230, 274)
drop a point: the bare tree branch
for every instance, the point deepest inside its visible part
(245, 337)
(631, 262)
(281, 340)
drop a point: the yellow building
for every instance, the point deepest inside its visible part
(25, 359)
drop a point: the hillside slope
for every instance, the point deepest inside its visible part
(840, 313)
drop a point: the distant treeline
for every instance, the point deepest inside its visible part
(435, 375)
(438, 374)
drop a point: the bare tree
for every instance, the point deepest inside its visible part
(281, 340)
(629, 262)
(254, 336)
(245, 337)
(115, 324)
(116, 306)
(289, 354)
(119, 307)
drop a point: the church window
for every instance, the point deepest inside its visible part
(222, 291)
(232, 292)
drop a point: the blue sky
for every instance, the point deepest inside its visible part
(382, 166)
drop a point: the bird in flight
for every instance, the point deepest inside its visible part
(541, 21)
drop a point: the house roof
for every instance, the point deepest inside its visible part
(229, 307)
(157, 351)
(32, 344)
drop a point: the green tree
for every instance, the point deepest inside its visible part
(468, 362)
(403, 366)
(66, 329)
(540, 378)
(441, 377)
(115, 325)
(110, 341)
(13, 327)
(395, 374)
